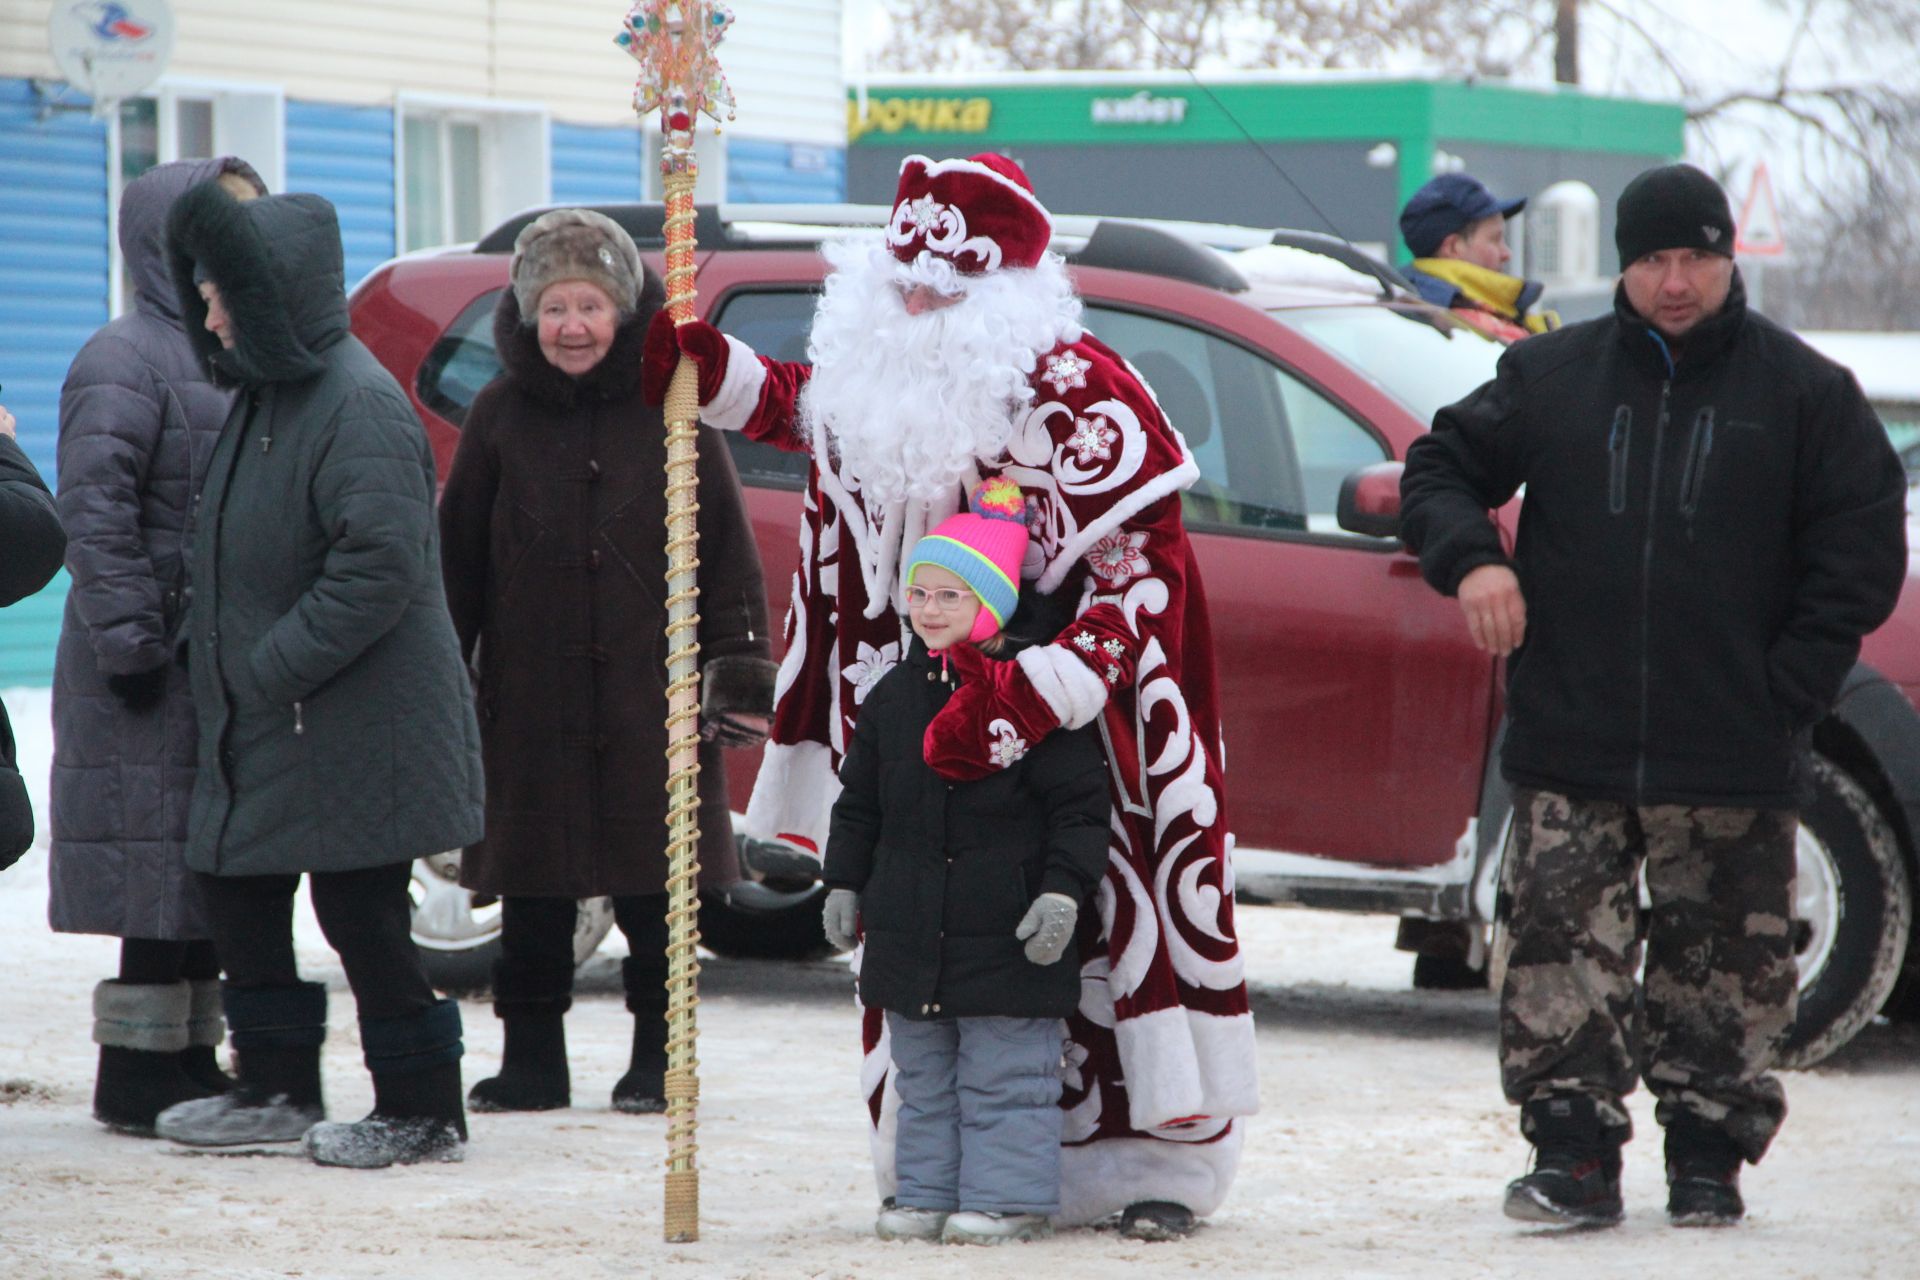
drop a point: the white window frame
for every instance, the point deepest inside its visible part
(249, 121)
(516, 154)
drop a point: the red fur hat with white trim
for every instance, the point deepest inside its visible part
(980, 214)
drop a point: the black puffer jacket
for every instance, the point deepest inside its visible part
(1701, 547)
(138, 418)
(336, 718)
(946, 870)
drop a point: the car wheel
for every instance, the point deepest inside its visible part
(749, 921)
(1853, 908)
(458, 932)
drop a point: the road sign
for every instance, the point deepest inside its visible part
(1759, 234)
(110, 49)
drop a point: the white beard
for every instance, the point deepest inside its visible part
(913, 405)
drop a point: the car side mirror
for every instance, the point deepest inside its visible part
(1370, 500)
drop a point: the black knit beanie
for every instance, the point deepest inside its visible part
(1673, 207)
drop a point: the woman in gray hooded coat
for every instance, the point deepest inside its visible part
(337, 734)
(138, 417)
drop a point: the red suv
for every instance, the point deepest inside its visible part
(1360, 722)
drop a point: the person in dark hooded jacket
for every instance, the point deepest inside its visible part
(337, 734)
(31, 544)
(554, 545)
(138, 417)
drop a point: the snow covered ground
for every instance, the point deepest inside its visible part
(1381, 1151)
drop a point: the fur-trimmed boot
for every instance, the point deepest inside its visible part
(277, 1034)
(532, 1008)
(643, 1090)
(142, 1030)
(206, 1030)
(417, 1115)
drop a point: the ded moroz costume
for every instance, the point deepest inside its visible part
(899, 420)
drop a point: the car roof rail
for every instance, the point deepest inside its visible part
(1134, 246)
(646, 223)
(1343, 252)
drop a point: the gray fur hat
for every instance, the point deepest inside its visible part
(574, 244)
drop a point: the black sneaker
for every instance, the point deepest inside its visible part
(1568, 1187)
(1703, 1176)
(1156, 1220)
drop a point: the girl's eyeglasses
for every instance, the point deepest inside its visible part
(945, 597)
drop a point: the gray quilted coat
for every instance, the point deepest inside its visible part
(138, 418)
(336, 720)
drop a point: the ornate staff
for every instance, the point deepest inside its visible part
(673, 40)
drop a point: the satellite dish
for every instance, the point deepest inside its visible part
(110, 49)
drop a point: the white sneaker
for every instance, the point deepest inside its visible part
(987, 1227)
(906, 1223)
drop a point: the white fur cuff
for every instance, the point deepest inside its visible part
(739, 394)
(1066, 684)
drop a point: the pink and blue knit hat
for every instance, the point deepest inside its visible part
(983, 548)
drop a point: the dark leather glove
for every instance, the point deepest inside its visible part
(736, 700)
(666, 341)
(139, 690)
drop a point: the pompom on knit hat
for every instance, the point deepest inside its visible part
(1675, 206)
(983, 548)
(574, 244)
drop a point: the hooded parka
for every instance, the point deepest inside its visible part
(1706, 535)
(138, 418)
(945, 870)
(336, 724)
(553, 533)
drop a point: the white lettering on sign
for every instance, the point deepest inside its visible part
(1139, 108)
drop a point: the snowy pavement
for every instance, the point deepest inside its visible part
(1381, 1151)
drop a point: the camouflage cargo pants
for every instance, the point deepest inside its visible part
(1720, 979)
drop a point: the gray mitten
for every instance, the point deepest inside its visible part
(838, 917)
(1048, 927)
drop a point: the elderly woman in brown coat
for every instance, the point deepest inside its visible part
(552, 527)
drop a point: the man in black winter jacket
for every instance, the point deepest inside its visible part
(1713, 519)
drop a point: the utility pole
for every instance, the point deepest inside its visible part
(1566, 41)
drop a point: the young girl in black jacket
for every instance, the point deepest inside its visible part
(969, 894)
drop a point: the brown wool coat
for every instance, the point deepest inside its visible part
(553, 550)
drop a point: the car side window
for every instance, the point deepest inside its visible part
(774, 322)
(462, 362)
(1272, 450)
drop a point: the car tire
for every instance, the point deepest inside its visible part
(458, 933)
(1854, 906)
(749, 921)
(1448, 973)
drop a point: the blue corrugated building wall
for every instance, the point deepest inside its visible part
(54, 260)
(346, 155)
(53, 295)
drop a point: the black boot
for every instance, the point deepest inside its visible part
(1156, 1220)
(277, 1034)
(532, 1008)
(643, 1090)
(206, 1029)
(417, 1115)
(141, 1029)
(1575, 1179)
(1703, 1174)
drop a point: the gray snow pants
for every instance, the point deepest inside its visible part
(979, 1124)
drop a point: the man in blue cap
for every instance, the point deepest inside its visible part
(1457, 230)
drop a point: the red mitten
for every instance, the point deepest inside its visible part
(992, 719)
(1101, 638)
(705, 345)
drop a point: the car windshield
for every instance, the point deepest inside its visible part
(1417, 364)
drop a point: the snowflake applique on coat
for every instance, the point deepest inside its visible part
(1092, 438)
(868, 666)
(925, 212)
(1117, 558)
(1066, 372)
(1007, 747)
